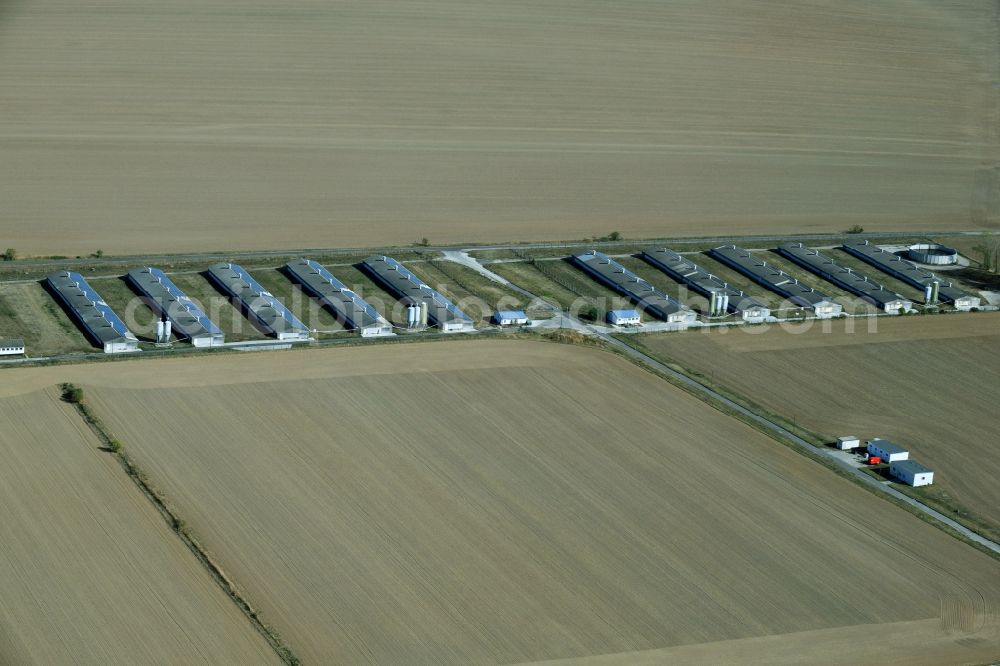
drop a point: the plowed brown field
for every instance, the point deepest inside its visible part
(495, 502)
(197, 125)
(90, 573)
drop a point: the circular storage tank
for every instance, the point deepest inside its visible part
(933, 253)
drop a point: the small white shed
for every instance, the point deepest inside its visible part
(912, 473)
(510, 318)
(624, 317)
(848, 442)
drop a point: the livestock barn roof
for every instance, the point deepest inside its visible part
(399, 280)
(350, 308)
(646, 296)
(769, 276)
(511, 314)
(267, 310)
(86, 305)
(907, 271)
(165, 298)
(844, 277)
(703, 282)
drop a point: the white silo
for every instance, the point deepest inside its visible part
(713, 303)
(159, 330)
(167, 330)
(423, 313)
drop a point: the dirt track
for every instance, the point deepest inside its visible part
(210, 124)
(499, 502)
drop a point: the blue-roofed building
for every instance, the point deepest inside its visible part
(624, 318)
(846, 278)
(510, 318)
(410, 289)
(777, 280)
(350, 309)
(654, 301)
(97, 319)
(187, 320)
(268, 313)
(913, 275)
(725, 296)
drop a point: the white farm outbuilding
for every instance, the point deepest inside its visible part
(911, 472)
(886, 450)
(624, 317)
(12, 347)
(510, 318)
(848, 442)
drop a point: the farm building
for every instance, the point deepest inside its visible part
(654, 301)
(846, 278)
(510, 318)
(910, 273)
(847, 443)
(349, 308)
(624, 317)
(410, 289)
(12, 347)
(701, 281)
(911, 472)
(886, 450)
(264, 310)
(97, 319)
(777, 280)
(163, 297)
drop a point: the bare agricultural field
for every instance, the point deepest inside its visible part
(929, 383)
(91, 573)
(499, 502)
(214, 124)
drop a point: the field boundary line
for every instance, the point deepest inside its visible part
(179, 527)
